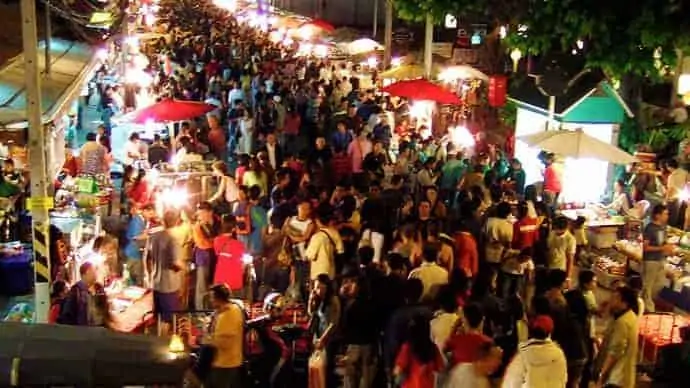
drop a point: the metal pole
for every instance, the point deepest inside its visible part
(39, 201)
(428, 43)
(388, 35)
(49, 33)
(552, 113)
(376, 19)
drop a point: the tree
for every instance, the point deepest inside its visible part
(622, 37)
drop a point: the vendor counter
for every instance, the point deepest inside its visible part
(130, 309)
(16, 271)
(603, 229)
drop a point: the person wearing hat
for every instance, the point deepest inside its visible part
(539, 362)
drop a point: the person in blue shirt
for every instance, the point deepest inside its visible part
(135, 235)
(451, 174)
(342, 138)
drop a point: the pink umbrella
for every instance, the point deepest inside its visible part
(421, 89)
(321, 24)
(169, 110)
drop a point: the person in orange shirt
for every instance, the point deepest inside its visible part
(467, 254)
(216, 139)
(203, 233)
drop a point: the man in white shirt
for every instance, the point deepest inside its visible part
(432, 275)
(561, 244)
(476, 374)
(132, 150)
(324, 245)
(499, 234)
(235, 94)
(539, 362)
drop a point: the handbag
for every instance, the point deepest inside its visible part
(317, 369)
(285, 254)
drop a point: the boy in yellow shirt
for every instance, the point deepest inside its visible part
(227, 338)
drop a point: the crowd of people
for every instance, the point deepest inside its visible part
(419, 264)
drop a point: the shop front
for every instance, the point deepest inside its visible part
(72, 65)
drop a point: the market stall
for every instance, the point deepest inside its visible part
(603, 227)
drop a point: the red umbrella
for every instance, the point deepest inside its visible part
(169, 110)
(421, 89)
(322, 24)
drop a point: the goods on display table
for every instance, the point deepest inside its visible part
(676, 291)
(602, 227)
(609, 270)
(130, 307)
(16, 269)
(85, 195)
(657, 330)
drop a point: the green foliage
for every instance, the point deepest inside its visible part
(619, 36)
(508, 114)
(656, 139)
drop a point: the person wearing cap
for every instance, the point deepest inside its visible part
(477, 373)
(539, 362)
(616, 363)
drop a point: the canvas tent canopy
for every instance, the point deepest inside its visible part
(56, 355)
(71, 64)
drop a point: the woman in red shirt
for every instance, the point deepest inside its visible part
(419, 358)
(552, 181)
(139, 193)
(229, 252)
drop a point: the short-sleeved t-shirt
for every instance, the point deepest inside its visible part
(417, 375)
(656, 236)
(166, 278)
(229, 324)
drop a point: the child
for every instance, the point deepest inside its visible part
(57, 296)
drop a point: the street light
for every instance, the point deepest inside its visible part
(515, 55)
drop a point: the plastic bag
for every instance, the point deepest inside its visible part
(317, 369)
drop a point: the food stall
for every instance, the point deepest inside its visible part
(603, 228)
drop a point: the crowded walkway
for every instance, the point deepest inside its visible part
(415, 262)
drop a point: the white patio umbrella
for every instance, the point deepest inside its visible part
(364, 45)
(462, 72)
(577, 144)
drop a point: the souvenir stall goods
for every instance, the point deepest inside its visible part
(609, 270)
(130, 307)
(16, 269)
(657, 330)
(85, 195)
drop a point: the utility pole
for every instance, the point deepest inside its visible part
(428, 44)
(39, 202)
(388, 35)
(376, 19)
(49, 34)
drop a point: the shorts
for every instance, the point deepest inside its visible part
(165, 304)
